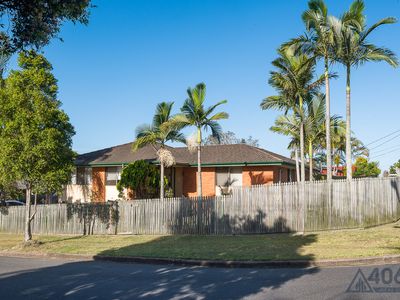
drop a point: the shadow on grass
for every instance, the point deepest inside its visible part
(61, 239)
(270, 247)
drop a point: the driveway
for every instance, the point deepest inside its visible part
(41, 278)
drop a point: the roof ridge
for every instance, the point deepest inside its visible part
(276, 155)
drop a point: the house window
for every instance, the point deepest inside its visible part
(226, 178)
(113, 175)
(229, 176)
(83, 176)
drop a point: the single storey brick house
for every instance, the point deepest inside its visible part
(97, 172)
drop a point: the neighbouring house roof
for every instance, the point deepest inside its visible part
(213, 155)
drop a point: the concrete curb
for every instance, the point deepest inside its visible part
(255, 264)
(393, 259)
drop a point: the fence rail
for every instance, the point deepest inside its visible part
(283, 207)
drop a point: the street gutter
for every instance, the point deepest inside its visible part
(392, 259)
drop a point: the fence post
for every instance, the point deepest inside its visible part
(199, 219)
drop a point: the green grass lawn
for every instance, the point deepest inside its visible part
(378, 241)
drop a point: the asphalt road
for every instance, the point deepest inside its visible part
(33, 278)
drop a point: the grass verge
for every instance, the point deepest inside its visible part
(377, 241)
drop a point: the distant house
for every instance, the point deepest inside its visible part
(337, 171)
(97, 172)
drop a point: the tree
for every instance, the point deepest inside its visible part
(229, 138)
(35, 134)
(141, 177)
(353, 50)
(289, 125)
(395, 168)
(320, 44)
(365, 168)
(195, 114)
(295, 84)
(36, 22)
(314, 121)
(158, 135)
(358, 149)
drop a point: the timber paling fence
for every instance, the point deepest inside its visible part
(286, 207)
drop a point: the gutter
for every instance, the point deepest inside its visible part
(245, 164)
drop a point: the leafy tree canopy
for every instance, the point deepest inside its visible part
(140, 177)
(35, 134)
(36, 22)
(393, 168)
(365, 168)
(229, 138)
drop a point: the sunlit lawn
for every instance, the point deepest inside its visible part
(378, 241)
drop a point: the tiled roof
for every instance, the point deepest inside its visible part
(210, 155)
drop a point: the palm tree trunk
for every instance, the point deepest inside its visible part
(303, 168)
(328, 123)
(161, 181)
(28, 229)
(199, 184)
(296, 153)
(310, 155)
(348, 126)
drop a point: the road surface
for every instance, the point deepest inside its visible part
(45, 278)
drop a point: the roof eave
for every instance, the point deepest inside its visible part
(245, 164)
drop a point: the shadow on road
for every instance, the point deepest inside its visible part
(103, 280)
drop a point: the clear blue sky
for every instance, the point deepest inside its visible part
(134, 54)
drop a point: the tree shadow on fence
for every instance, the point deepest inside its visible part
(90, 213)
(3, 209)
(395, 186)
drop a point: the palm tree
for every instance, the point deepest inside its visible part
(321, 43)
(314, 121)
(353, 50)
(289, 125)
(294, 81)
(315, 127)
(358, 149)
(157, 136)
(195, 114)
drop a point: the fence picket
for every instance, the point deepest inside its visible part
(254, 209)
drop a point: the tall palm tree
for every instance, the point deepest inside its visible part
(321, 43)
(157, 136)
(353, 50)
(195, 114)
(295, 84)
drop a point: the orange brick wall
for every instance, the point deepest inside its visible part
(264, 175)
(190, 181)
(178, 188)
(98, 184)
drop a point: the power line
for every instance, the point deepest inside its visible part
(394, 150)
(386, 149)
(377, 140)
(383, 143)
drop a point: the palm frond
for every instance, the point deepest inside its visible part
(209, 110)
(219, 116)
(384, 21)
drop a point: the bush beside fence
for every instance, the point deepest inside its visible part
(286, 207)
